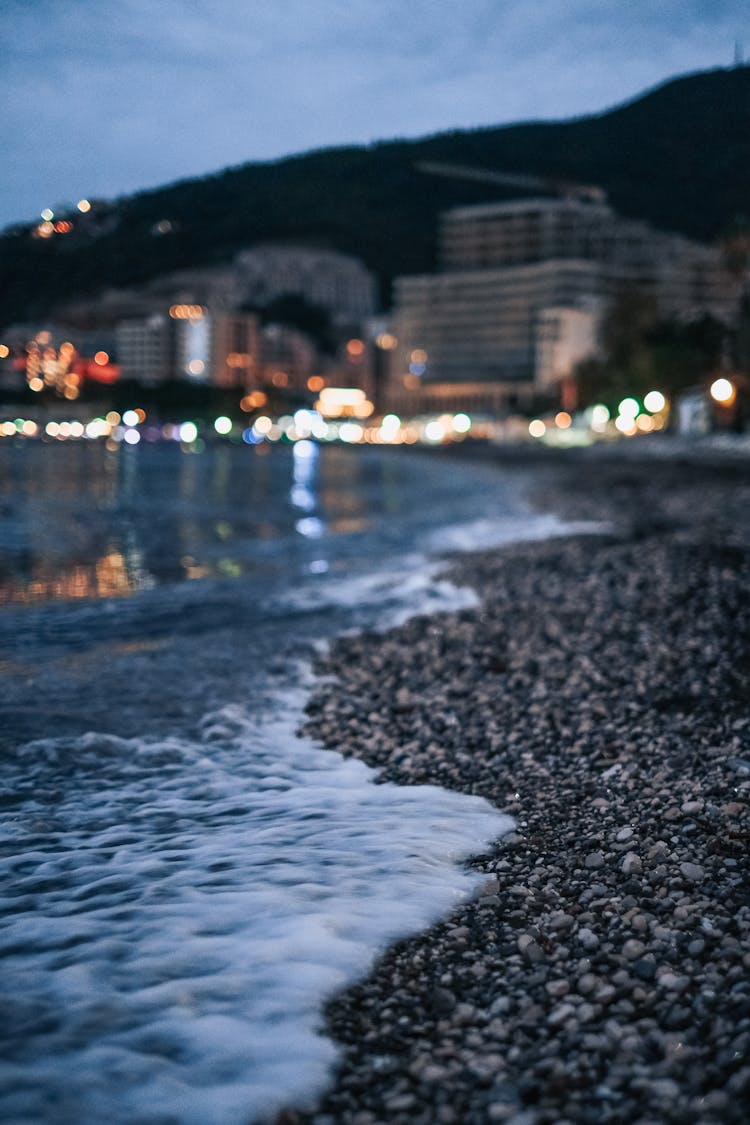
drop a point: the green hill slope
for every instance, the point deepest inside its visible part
(678, 156)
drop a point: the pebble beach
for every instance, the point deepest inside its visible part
(598, 694)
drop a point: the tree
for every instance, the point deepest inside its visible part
(294, 311)
(642, 352)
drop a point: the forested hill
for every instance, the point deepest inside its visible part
(678, 156)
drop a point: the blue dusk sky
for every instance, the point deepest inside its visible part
(104, 97)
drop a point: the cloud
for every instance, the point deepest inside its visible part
(103, 97)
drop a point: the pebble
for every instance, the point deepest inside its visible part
(560, 1014)
(587, 938)
(633, 949)
(601, 976)
(733, 808)
(673, 982)
(561, 921)
(631, 864)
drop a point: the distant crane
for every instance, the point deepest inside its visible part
(589, 193)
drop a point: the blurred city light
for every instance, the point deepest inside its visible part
(305, 449)
(628, 408)
(252, 401)
(722, 391)
(434, 431)
(186, 312)
(351, 432)
(654, 401)
(303, 420)
(337, 401)
(319, 426)
(389, 427)
(598, 417)
(311, 527)
(537, 428)
(223, 425)
(188, 432)
(461, 423)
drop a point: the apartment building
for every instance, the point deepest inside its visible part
(145, 348)
(520, 292)
(190, 343)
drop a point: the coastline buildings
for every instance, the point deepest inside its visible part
(223, 349)
(519, 297)
(208, 336)
(338, 283)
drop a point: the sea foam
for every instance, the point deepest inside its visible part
(176, 912)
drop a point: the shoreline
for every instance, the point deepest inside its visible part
(599, 695)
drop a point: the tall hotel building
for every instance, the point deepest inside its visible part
(519, 296)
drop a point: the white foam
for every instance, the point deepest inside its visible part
(498, 531)
(411, 584)
(184, 908)
(384, 597)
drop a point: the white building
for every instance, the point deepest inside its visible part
(190, 343)
(520, 293)
(564, 337)
(145, 348)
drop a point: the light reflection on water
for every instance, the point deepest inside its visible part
(82, 521)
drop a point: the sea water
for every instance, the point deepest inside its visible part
(185, 880)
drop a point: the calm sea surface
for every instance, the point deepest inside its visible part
(184, 880)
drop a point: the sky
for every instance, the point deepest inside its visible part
(105, 97)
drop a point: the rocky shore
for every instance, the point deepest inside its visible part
(601, 695)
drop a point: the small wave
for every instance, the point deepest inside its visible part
(169, 938)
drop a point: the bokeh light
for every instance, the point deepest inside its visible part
(722, 391)
(654, 401)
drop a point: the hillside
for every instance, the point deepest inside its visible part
(678, 156)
